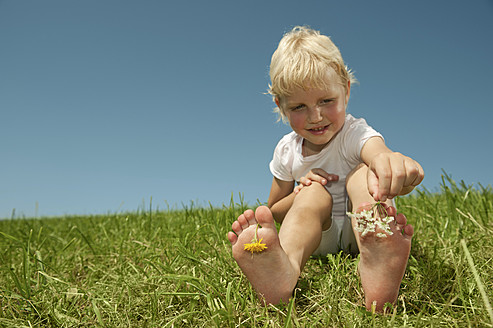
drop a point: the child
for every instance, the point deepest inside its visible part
(341, 165)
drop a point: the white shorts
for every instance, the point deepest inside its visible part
(339, 237)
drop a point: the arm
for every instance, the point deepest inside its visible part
(316, 175)
(280, 198)
(282, 194)
(389, 173)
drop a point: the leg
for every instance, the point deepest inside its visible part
(274, 272)
(301, 230)
(382, 260)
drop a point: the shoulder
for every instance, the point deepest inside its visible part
(356, 127)
(289, 138)
(356, 132)
(353, 123)
(288, 142)
(283, 158)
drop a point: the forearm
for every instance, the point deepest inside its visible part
(389, 173)
(280, 208)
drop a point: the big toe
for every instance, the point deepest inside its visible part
(264, 217)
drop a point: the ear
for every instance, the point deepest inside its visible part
(348, 92)
(277, 102)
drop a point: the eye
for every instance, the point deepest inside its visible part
(297, 108)
(326, 101)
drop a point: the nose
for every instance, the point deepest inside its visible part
(314, 114)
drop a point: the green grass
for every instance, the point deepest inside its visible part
(174, 269)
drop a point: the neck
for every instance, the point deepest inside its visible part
(308, 149)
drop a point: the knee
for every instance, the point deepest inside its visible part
(314, 202)
(314, 196)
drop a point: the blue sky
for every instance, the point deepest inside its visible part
(105, 104)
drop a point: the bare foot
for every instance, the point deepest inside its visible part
(270, 272)
(383, 260)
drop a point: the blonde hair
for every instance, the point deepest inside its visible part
(302, 60)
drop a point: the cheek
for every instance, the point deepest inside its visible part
(337, 114)
(296, 121)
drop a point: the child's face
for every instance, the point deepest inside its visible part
(317, 115)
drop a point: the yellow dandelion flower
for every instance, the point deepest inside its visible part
(256, 245)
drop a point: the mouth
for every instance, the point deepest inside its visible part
(319, 130)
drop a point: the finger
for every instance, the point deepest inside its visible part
(315, 176)
(323, 173)
(372, 181)
(406, 190)
(413, 175)
(399, 175)
(421, 175)
(333, 177)
(305, 181)
(298, 188)
(319, 171)
(321, 176)
(383, 173)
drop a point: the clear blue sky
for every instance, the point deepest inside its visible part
(105, 104)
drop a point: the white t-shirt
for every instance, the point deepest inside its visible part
(340, 157)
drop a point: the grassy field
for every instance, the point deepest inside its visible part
(174, 269)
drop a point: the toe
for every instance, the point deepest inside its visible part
(250, 217)
(391, 211)
(409, 230)
(236, 226)
(233, 238)
(400, 221)
(242, 220)
(264, 217)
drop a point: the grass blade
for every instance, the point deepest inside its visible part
(97, 312)
(478, 280)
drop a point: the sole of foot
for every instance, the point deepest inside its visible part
(270, 272)
(383, 261)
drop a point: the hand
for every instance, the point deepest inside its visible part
(393, 174)
(315, 175)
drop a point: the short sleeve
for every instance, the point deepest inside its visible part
(282, 160)
(357, 133)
